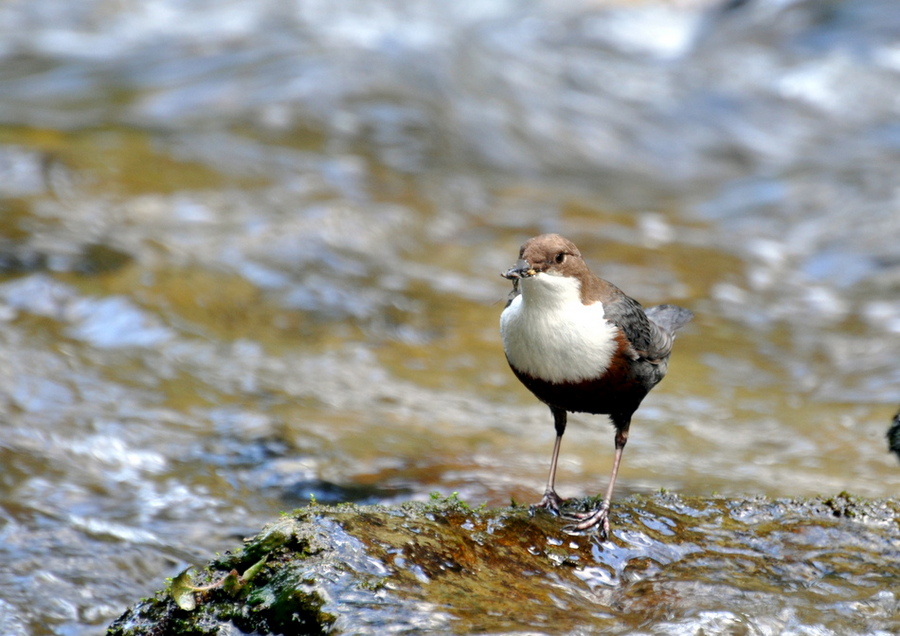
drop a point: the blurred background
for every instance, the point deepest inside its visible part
(250, 253)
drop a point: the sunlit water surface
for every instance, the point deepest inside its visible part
(250, 255)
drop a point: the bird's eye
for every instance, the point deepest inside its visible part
(560, 257)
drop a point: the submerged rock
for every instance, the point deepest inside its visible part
(893, 436)
(674, 565)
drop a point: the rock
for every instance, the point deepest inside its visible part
(893, 436)
(674, 565)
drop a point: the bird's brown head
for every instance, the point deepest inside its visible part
(547, 253)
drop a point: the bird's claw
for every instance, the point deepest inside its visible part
(587, 521)
(550, 502)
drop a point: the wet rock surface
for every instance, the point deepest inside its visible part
(674, 565)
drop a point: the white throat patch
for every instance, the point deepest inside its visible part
(550, 334)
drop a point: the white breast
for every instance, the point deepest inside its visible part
(550, 334)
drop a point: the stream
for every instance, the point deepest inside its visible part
(250, 256)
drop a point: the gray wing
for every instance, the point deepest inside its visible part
(667, 319)
(651, 332)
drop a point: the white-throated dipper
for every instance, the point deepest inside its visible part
(580, 344)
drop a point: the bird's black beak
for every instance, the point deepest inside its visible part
(521, 270)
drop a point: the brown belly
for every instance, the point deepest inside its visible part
(619, 390)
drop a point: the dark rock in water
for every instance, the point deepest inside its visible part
(326, 492)
(893, 435)
(673, 565)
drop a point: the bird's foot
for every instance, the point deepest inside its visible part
(550, 502)
(587, 521)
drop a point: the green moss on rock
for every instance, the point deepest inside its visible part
(444, 567)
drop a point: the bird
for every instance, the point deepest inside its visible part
(579, 344)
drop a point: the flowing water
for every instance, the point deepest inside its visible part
(250, 255)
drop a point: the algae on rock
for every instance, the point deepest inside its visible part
(673, 563)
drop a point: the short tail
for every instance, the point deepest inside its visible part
(669, 318)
